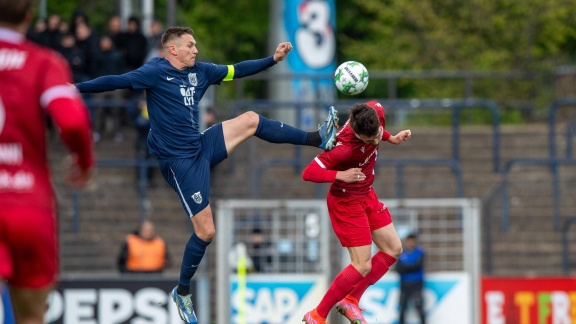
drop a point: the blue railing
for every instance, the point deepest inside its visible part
(453, 163)
(487, 215)
(553, 163)
(394, 105)
(456, 105)
(570, 133)
(566, 244)
(554, 108)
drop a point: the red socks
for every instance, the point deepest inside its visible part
(340, 287)
(381, 262)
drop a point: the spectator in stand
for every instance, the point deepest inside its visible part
(156, 31)
(78, 17)
(410, 266)
(108, 59)
(143, 251)
(135, 45)
(74, 56)
(64, 27)
(114, 31)
(260, 250)
(87, 42)
(51, 36)
(37, 32)
(109, 116)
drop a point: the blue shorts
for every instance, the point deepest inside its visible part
(190, 177)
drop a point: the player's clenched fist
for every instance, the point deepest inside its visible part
(282, 51)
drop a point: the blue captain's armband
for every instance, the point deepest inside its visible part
(230, 74)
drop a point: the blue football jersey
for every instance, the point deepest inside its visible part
(172, 97)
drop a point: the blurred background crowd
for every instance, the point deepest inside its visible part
(123, 46)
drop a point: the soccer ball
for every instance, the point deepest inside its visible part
(351, 78)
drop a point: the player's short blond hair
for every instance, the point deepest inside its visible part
(172, 33)
(14, 12)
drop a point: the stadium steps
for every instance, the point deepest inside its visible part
(110, 207)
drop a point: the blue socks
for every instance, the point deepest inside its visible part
(193, 253)
(277, 132)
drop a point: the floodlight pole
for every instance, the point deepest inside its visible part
(171, 12)
(42, 10)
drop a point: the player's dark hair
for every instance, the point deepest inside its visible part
(172, 33)
(14, 12)
(364, 120)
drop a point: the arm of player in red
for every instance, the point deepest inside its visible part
(71, 117)
(316, 172)
(399, 138)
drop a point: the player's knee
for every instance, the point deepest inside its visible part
(396, 251)
(252, 119)
(206, 234)
(364, 268)
(210, 234)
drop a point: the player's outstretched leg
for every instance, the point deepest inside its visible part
(185, 309)
(348, 307)
(277, 132)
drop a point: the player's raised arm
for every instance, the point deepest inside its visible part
(251, 67)
(400, 137)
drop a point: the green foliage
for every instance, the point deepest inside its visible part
(452, 34)
(473, 35)
(98, 12)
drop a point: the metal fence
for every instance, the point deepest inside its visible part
(290, 241)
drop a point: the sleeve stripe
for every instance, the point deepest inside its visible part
(319, 163)
(230, 74)
(56, 92)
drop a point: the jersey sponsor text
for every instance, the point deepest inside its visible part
(11, 59)
(11, 153)
(21, 180)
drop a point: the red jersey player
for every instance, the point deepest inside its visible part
(357, 216)
(34, 81)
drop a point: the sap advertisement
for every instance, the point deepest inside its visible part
(528, 301)
(108, 301)
(446, 300)
(275, 299)
(285, 299)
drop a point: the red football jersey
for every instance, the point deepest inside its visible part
(351, 152)
(32, 79)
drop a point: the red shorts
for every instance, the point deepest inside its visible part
(354, 218)
(28, 246)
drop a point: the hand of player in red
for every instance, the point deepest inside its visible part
(74, 175)
(282, 51)
(400, 137)
(351, 175)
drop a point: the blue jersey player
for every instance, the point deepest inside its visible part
(174, 85)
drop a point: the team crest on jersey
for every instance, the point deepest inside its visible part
(362, 149)
(193, 79)
(197, 197)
